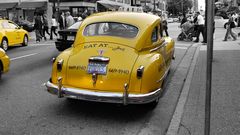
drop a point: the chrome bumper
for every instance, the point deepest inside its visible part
(109, 97)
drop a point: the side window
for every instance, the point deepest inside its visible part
(5, 25)
(155, 34)
(12, 26)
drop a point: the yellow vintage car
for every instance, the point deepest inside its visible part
(11, 34)
(117, 57)
(4, 62)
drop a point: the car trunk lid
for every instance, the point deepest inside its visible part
(101, 66)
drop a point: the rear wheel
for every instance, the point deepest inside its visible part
(25, 40)
(4, 44)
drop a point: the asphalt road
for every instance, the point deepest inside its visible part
(27, 109)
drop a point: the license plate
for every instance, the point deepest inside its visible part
(72, 38)
(98, 68)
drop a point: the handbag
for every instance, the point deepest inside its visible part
(232, 25)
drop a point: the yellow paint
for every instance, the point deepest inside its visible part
(126, 56)
(13, 33)
(4, 60)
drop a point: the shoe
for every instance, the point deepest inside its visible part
(196, 41)
(224, 40)
(234, 39)
(203, 42)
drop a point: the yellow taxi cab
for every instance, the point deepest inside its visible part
(117, 57)
(4, 62)
(11, 34)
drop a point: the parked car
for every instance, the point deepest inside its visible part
(220, 22)
(4, 62)
(175, 19)
(26, 25)
(117, 57)
(11, 34)
(170, 20)
(67, 36)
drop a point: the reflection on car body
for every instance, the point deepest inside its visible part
(11, 34)
(117, 57)
(4, 62)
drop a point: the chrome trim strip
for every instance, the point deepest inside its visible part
(109, 97)
(125, 94)
(60, 87)
(165, 74)
(99, 58)
(158, 47)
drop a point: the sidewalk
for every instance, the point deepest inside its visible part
(225, 103)
(225, 109)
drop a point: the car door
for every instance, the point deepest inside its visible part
(159, 49)
(10, 33)
(16, 32)
(158, 42)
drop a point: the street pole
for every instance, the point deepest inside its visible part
(209, 12)
(58, 4)
(182, 6)
(154, 8)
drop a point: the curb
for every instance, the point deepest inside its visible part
(178, 113)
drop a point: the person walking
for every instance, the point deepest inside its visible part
(69, 19)
(199, 26)
(230, 25)
(54, 26)
(38, 27)
(45, 26)
(164, 24)
(62, 21)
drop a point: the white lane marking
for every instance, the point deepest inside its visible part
(23, 56)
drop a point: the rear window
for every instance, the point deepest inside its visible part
(111, 29)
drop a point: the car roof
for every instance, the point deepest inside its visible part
(137, 19)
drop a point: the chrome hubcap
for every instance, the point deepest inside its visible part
(25, 40)
(5, 45)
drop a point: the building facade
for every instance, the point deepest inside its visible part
(23, 9)
(153, 4)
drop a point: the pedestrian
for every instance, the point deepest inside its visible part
(164, 24)
(69, 19)
(183, 19)
(199, 24)
(85, 14)
(38, 27)
(45, 26)
(230, 26)
(62, 21)
(54, 26)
